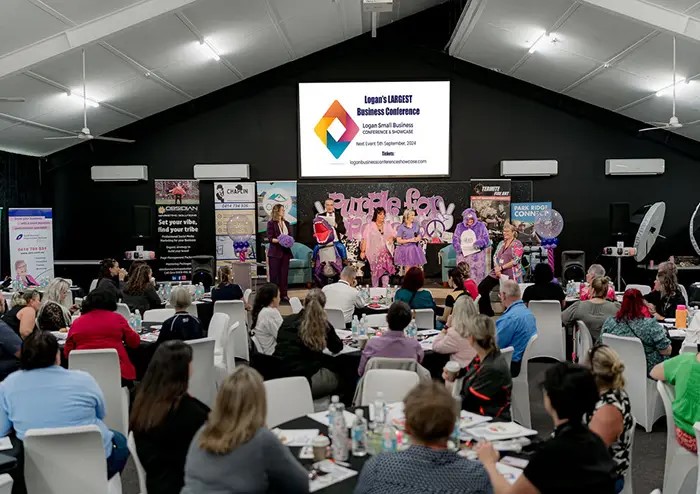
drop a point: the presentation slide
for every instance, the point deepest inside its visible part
(374, 129)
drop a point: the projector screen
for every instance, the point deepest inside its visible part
(374, 129)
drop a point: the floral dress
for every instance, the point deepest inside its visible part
(381, 260)
(513, 253)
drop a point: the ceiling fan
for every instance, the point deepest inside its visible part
(673, 122)
(84, 133)
(7, 99)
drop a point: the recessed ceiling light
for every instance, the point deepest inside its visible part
(542, 41)
(669, 89)
(75, 96)
(207, 47)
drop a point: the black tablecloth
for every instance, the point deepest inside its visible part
(356, 463)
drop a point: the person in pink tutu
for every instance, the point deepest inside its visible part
(409, 251)
(377, 246)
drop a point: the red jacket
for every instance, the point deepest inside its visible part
(100, 329)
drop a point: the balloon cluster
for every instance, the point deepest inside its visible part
(240, 247)
(550, 243)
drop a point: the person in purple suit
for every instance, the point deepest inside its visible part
(278, 256)
(409, 252)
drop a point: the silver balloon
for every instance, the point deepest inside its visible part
(549, 223)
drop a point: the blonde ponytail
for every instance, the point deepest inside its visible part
(314, 321)
(607, 367)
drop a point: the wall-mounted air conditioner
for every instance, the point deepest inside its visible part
(222, 172)
(529, 168)
(651, 166)
(119, 173)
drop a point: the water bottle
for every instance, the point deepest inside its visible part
(137, 321)
(355, 327)
(132, 322)
(379, 408)
(359, 434)
(412, 329)
(453, 443)
(363, 326)
(338, 431)
(168, 289)
(388, 438)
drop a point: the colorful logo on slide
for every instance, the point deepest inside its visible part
(336, 111)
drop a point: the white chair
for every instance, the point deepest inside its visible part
(690, 348)
(93, 285)
(67, 460)
(696, 428)
(336, 318)
(629, 488)
(230, 343)
(681, 467)
(123, 309)
(103, 365)
(237, 314)
(218, 327)
(376, 320)
(647, 407)
(377, 291)
(520, 397)
(644, 289)
(425, 318)
(395, 384)
(584, 342)
(246, 295)
(139, 467)
(507, 353)
(158, 315)
(202, 380)
(684, 292)
(550, 342)
(287, 399)
(5, 484)
(295, 303)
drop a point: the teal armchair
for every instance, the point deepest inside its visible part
(300, 265)
(448, 260)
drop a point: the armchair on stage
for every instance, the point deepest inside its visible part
(300, 265)
(448, 259)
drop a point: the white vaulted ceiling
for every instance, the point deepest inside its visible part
(144, 56)
(616, 54)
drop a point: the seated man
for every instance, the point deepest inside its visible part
(516, 326)
(393, 343)
(427, 465)
(343, 295)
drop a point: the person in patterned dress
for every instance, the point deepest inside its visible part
(506, 262)
(612, 416)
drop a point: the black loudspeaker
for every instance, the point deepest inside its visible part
(142, 221)
(203, 269)
(619, 220)
(573, 266)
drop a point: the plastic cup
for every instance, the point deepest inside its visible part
(320, 446)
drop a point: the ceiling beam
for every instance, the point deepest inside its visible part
(87, 33)
(653, 15)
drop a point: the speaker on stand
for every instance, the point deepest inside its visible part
(573, 266)
(203, 271)
(620, 227)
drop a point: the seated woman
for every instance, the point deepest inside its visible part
(111, 277)
(470, 285)
(487, 382)
(235, 452)
(183, 325)
(22, 317)
(226, 289)
(575, 460)
(300, 343)
(139, 292)
(683, 372)
(453, 340)
(593, 312)
(42, 394)
(165, 418)
(665, 297)
(10, 348)
(55, 311)
(266, 318)
(630, 321)
(393, 343)
(612, 416)
(545, 288)
(595, 271)
(457, 284)
(412, 291)
(99, 327)
(427, 466)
